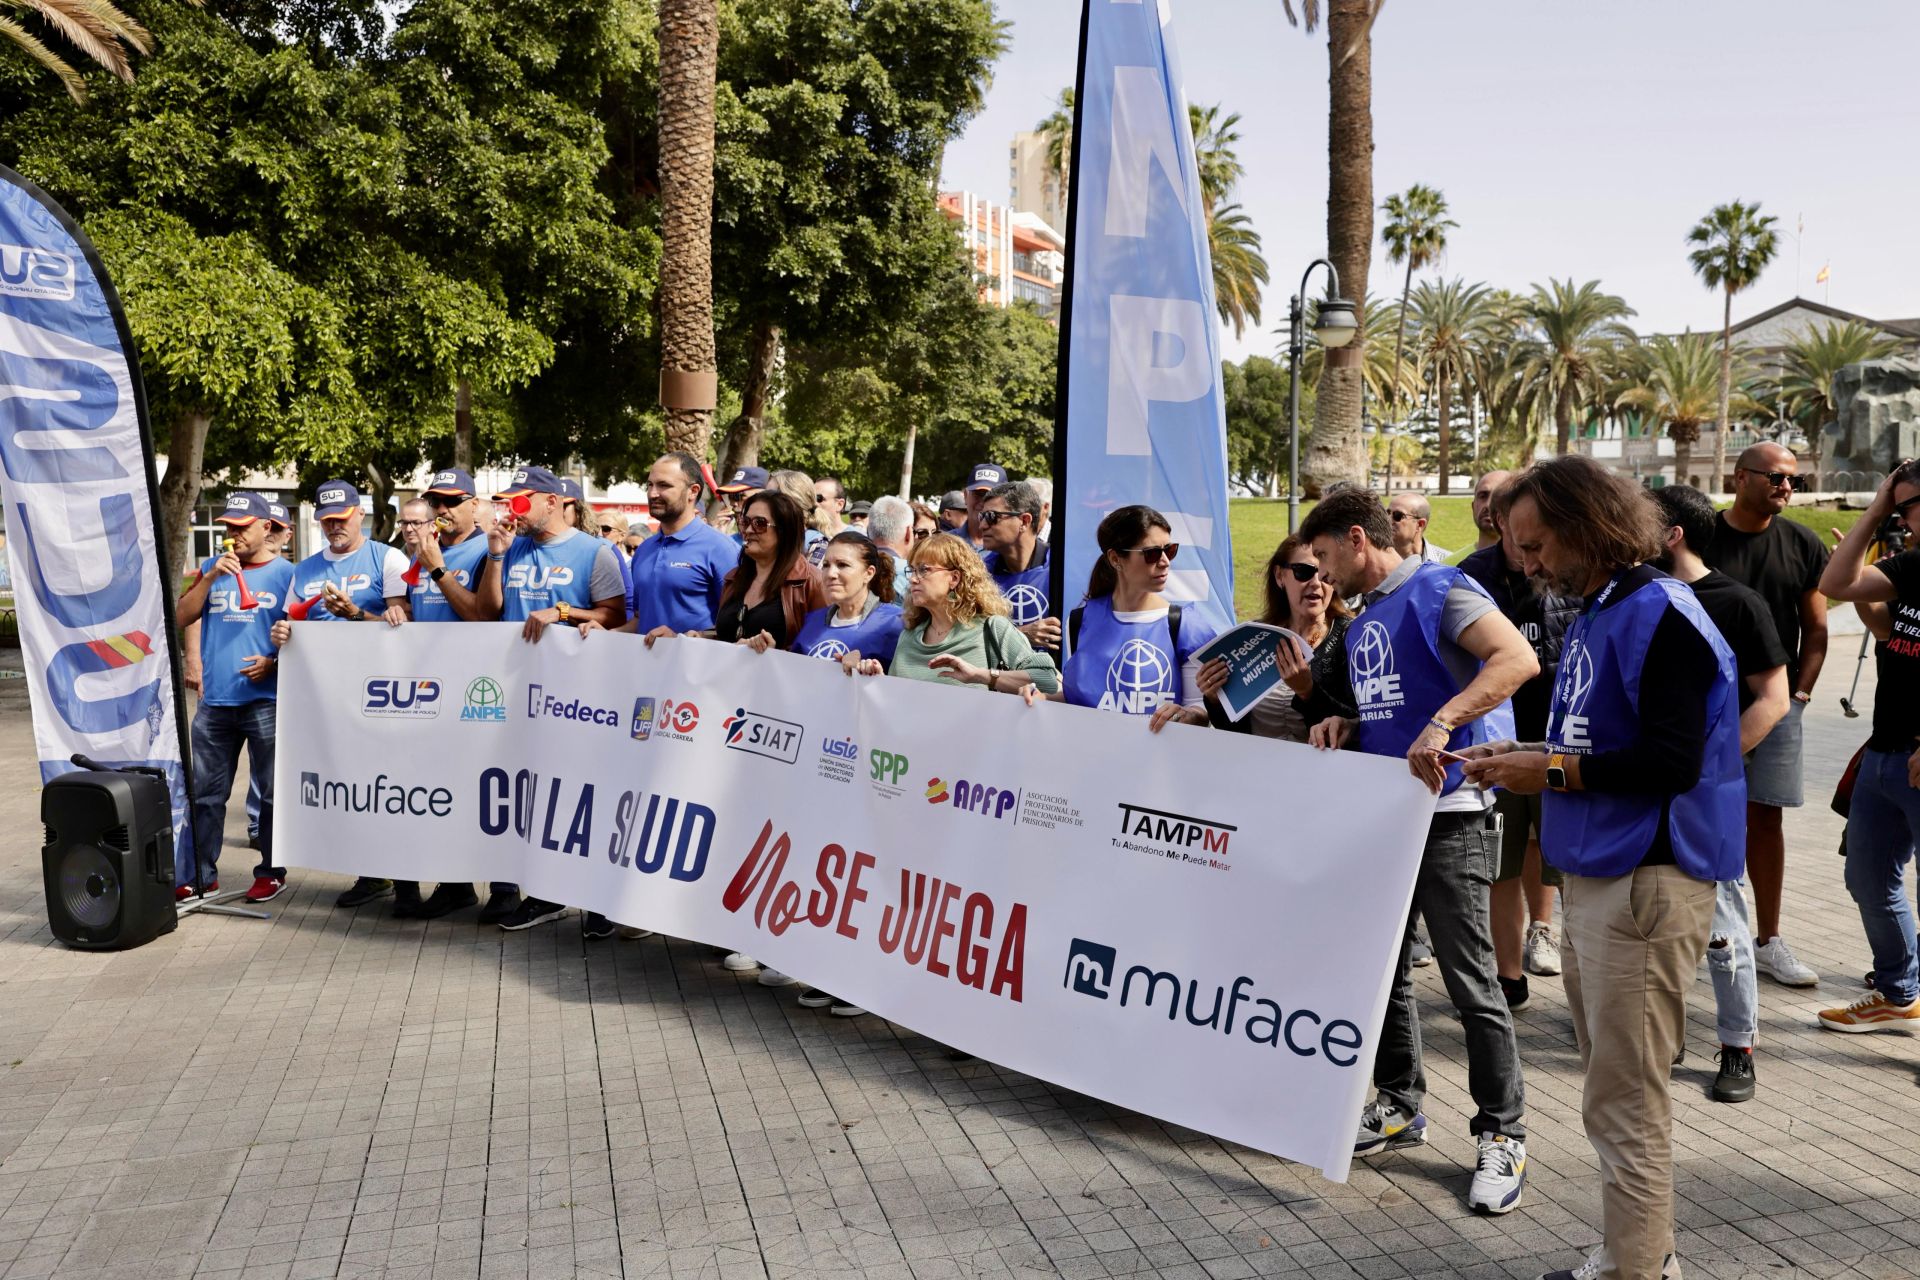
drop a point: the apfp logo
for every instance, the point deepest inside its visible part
(27, 271)
(1139, 678)
(1028, 602)
(1572, 689)
(410, 697)
(1376, 685)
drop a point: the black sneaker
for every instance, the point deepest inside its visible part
(1735, 1080)
(846, 1009)
(500, 905)
(406, 899)
(815, 998)
(533, 911)
(445, 900)
(594, 926)
(364, 890)
(1515, 990)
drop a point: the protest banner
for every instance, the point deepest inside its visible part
(1191, 924)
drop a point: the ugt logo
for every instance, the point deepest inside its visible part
(1370, 657)
(1139, 678)
(1571, 690)
(1090, 968)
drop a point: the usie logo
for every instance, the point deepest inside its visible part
(841, 750)
(27, 271)
(414, 697)
(763, 735)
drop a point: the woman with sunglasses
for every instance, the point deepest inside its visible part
(773, 588)
(1299, 599)
(926, 522)
(1132, 652)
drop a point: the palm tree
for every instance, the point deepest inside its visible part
(1057, 129)
(1451, 321)
(689, 53)
(1678, 383)
(1736, 244)
(1335, 451)
(95, 27)
(1214, 152)
(1577, 331)
(1238, 269)
(1416, 234)
(1812, 359)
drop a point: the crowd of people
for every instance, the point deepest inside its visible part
(1603, 695)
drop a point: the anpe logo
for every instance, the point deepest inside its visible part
(485, 701)
(1139, 679)
(829, 649)
(1572, 688)
(763, 735)
(27, 271)
(538, 577)
(411, 697)
(1376, 685)
(382, 795)
(936, 791)
(886, 766)
(1028, 602)
(642, 719)
(540, 704)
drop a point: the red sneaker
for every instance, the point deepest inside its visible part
(181, 892)
(265, 888)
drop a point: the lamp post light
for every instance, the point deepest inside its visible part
(1334, 324)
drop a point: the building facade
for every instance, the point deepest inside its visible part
(1034, 184)
(1016, 257)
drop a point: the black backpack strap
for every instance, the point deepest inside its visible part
(1173, 629)
(1074, 618)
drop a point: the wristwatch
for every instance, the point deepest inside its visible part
(564, 611)
(1557, 771)
(437, 574)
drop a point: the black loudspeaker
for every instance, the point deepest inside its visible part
(108, 860)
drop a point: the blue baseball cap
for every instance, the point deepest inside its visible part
(745, 480)
(243, 509)
(532, 480)
(454, 482)
(335, 498)
(987, 476)
(278, 513)
(570, 488)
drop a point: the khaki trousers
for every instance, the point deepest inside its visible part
(1632, 947)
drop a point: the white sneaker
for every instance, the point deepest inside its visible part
(1542, 953)
(1777, 961)
(632, 932)
(1500, 1175)
(1597, 1262)
(775, 978)
(739, 962)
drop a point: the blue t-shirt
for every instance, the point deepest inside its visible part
(1130, 663)
(1026, 591)
(464, 561)
(538, 575)
(874, 636)
(369, 575)
(229, 635)
(676, 578)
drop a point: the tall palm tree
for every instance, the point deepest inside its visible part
(96, 28)
(1577, 330)
(1057, 129)
(1812, 359)
(689, 56)
(1215, 152)
(1416, 234)
(1736, 242)
(1678, 383)
(1239, 270)
(1451, 321)
(1335, 452)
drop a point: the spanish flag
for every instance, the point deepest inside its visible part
(1820, 276)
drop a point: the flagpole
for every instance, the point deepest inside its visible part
(1062, 494)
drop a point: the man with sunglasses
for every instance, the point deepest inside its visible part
(1754, 544)
(830, 504)
(1410, 513)
(1009, 517)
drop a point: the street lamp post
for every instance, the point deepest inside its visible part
(1334, 324)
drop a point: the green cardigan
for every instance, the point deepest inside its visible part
(968, 642)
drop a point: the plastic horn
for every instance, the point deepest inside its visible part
(247, 600)
(298, 610)
(412, 576)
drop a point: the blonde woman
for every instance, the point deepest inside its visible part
(798, 485)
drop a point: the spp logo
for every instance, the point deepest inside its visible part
(409, 697)
(485, 702)
(1376, 684)
(1571, 691)
(643, 710)
(27, 271)
(538, 577)
(763, 735)
(1028, 602)
(1139, 679)
(1090, 968)
(886, 766)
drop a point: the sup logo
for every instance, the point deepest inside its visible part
(28, 271)
(1139, 678)
(1028, 602)
(412, 697)
(830, 649)
(1376, 685)
(485, 701)
(1572, 689)
(538, 577)
(352, 584)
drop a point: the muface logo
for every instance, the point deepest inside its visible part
(538, 577)
(382, 795)
(830, 649)
(1028, 602)
(408, 697)
(886, 766)
(1572, 688)
(998, 803)
(642, 719)
(1090, 968)
(28, 271)
(541, 704)
(485, 702)
(1376, 684)
(1139, 679)
(763, 735)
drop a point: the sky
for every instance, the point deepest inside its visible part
(1578, 140)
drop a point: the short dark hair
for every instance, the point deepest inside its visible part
(1120, 531)
(1339, 512)
(1691, 510)
(1606, 519)
(1021, 499)
(689, 467)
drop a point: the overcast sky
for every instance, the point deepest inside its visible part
(1570, 139)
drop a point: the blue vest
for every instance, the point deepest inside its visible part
(539, 575)
(229, 635)
(464, 560)
(1596, 708)
(1026, 591)
(1400, 681)
(874, 636)
(1129, 667)
(361, 574)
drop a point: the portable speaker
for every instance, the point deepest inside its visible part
(108, 859)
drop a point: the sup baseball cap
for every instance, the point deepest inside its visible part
(532, 480)
(278, 513)
(454, 482)
(571, 490)
(745, 480)
(335, 498)
(954, 501)
(987, 476)
(243, 509)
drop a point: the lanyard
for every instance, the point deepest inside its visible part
(1600, 601)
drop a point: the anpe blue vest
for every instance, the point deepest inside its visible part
(874, 636)
(1129, 667)
(1400, 681)
(539, 575)
(1026, 591)
(464, 560)
(229, 635)
(1595, 708)
(361, 574)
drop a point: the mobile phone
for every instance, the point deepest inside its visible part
(1453, 757)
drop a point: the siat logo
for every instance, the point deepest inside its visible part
(1139, 678)
(32, 272)
(1028, 602)
(1370, 660)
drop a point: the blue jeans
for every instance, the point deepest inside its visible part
(218, 734)
(1881, 829)
(1736, 995)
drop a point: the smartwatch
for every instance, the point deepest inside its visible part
(1557, 772)
(437, 574)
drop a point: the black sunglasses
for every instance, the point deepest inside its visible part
(1153, 555)
(1302, 572)
(992, 518)
(756, 524)
(444, 502)
(921, 535)
(1776, 478)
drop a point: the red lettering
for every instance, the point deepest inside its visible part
(942, 929)
(1214, 841)
(893, 926)
(786, 909)
(920, 928)
(976, 920)
(754, 874)
(861, 861)
(1013, 948)
(821, 901)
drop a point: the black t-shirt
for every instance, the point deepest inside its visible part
(1783, 562)
(1741, 615)
(737, 622)
(1541, 618)
(1896, 699)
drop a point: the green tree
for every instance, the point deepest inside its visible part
(1256, 412)
(1576, 331)
(96, 28)
(1736, 242)
(1057, 129)
(1239, 270)
(1451, 321)
(1416, 234)
(1811, 360)
(1675, 381)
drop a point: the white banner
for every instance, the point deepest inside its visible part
(1200, 926)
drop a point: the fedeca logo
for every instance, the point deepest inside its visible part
(28, 271)
(486, 703)
(407, 697)
(763, 735)
(541, 704)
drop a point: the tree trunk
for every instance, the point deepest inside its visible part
(1682, 459)
(906, 461)
(380, 489)
(1563, 416)
(1715, 480)
(1335, 451)
(689, 53)
(1400, 338)
(180, 490)
(1446, 437)
(463, 424)
(742, 448)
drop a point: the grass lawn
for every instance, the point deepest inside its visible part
(1259, 525)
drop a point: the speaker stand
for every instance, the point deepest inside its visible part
(213, 906)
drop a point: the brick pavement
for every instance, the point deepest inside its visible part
(343, 1094)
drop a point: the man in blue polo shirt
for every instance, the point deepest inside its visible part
(1017, 560)
(677, 572)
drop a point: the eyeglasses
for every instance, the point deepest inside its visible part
(921, 535)
(920, 571)
(1153, 555)
(992, 518)
(606, 528)
(415, 524)
(442, 502)
(1302, 572)
(1398, 516)
(1775, 479)
(755, 524)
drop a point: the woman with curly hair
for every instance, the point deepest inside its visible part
(957, 629)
